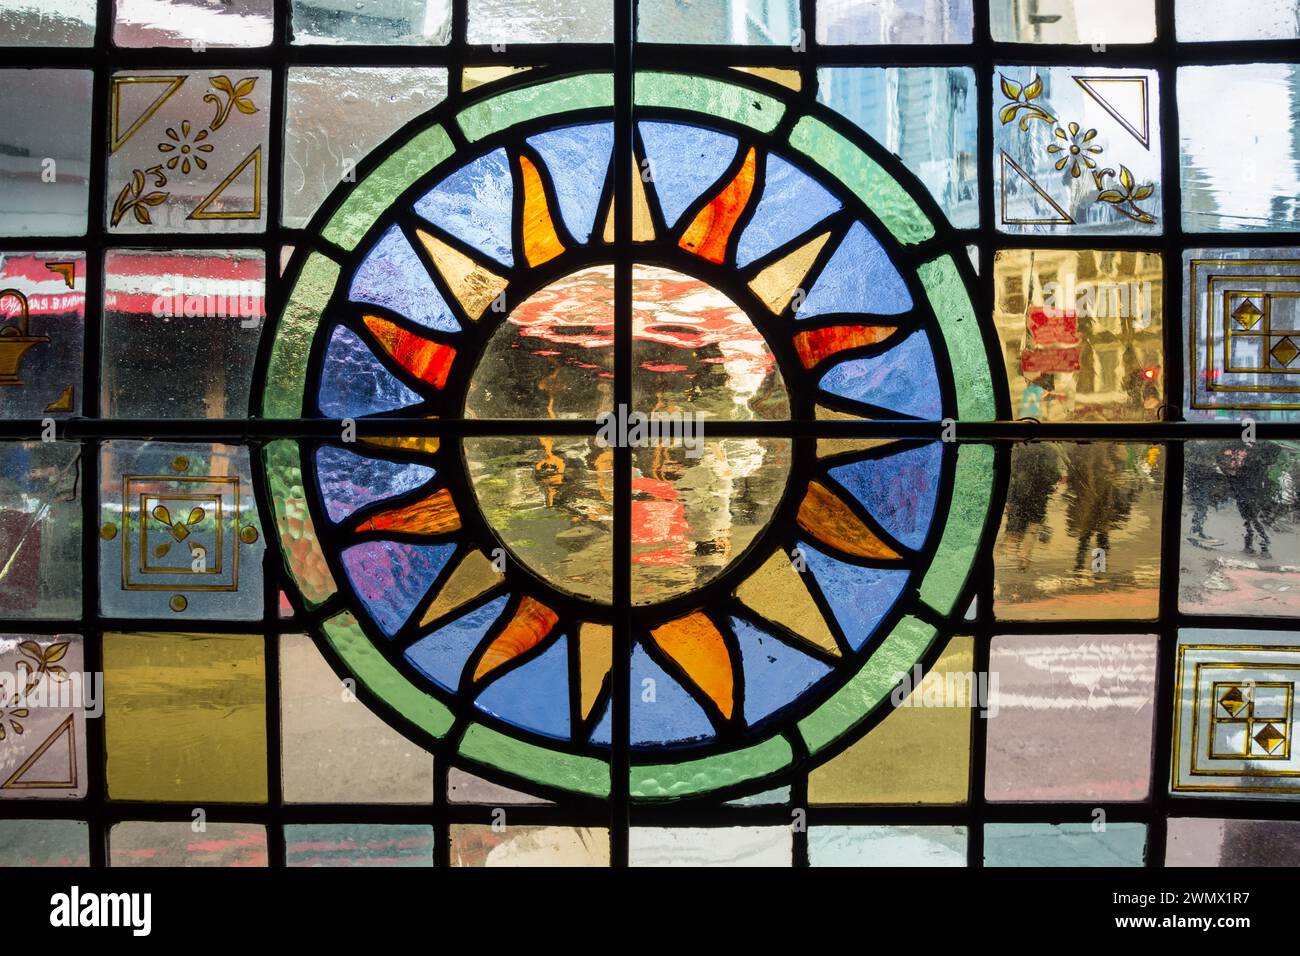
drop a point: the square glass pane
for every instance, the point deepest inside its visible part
(43, 756)
(737, 22)
(61, 23)
(358, 844)
(45, 165)
(1240, 159)
(180, 332)
(179, 536)
(552, 21)
(886, 846)
(1081, 333)
(1076, 150)
(1241, 529)
(924, 115)
(1064, 844)
(155, 843)
(374, 22)
(888, 21)
(59, 843)
(335, 116)
(187, 151)
(481, 844)
(42, 333)
(710, 846)
(40, 530)
(1242, 329)
(161, 693)
(1238, 20)
(1096, 22)
(196, 24)
(1081, 536)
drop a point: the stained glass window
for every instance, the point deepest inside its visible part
(641, 432)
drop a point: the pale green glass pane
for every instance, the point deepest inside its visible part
(926, 117)
(972, 491)
(1065, 844)
(540, 21)
(757, 22)
(358, 844)
(571, 93)
(62, 23)
(961, 334)
(865, 177)
(192, 23)
(713, 97)
(869, 686)
(383, 679)
(302, 552)
(565, 771)
(887, 846)
(335, 116)
(376, 192)
(376, 22)
(44, 843)
(1200, 20)
(1095, 22)
(672, 780)
(287, 370)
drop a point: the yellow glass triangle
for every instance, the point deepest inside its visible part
(474, 575)
(776, 284)
(473, 285)
(777, 592)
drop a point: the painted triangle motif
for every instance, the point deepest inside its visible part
(201, 211)
(51, 766)
(137, 85)
(1051, 212)
(1125, 98)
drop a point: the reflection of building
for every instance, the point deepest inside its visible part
(1033, 21)
(718, 21)
(1081, 332)
(926, 117)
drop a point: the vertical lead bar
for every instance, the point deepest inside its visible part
(624, 41)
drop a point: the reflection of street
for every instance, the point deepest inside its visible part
(1240, 552)
(1081, 537)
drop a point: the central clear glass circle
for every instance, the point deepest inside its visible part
(698, 502)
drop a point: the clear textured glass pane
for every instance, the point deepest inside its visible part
(1081, 333)
(1096, 22)
(40, 530)
(45, 162)
(396, 22)
(895, 21)
(545, 21)
(179, 532)
(1240, 158)
(188, 151)
(1241, 529)
(47, 22)
(1238, 20)
(181, 331)
(140, 843)
(743, 21)
(193, 23)
(42, 333)
(1076, 150)
(336, 116)
(924, 115)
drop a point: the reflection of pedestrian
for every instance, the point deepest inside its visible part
(1034, 474)
(1247, 472)
(1205, 488)
(1098, 497)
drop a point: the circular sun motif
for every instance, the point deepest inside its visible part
(459, 557)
